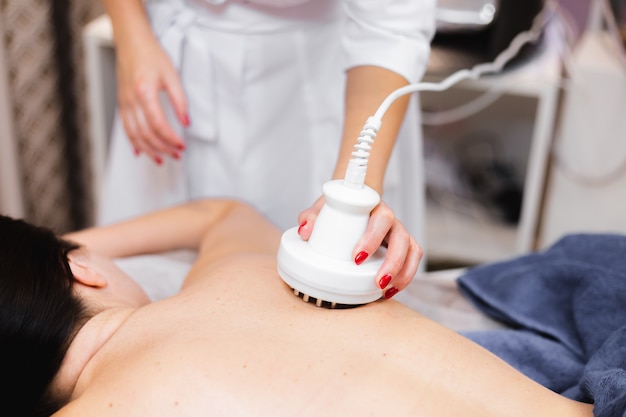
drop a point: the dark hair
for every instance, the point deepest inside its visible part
(39, 315)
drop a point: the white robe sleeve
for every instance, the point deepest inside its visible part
(393, 34)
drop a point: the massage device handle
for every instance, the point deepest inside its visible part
(343, 219)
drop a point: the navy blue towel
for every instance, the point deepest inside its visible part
(566, 309)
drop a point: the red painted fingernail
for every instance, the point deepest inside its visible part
(186, 120)
(391, 292)
(137, 151)
(384, 281)
(158, 160)
(360, 257)
(301, 226)
(180, 146)
(176, 156)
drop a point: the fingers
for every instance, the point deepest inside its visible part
(403, 253)
(140, 135)
(147, 127)
(401, 261)
(307, 218)
(156, 129)
(177, 97)
(143, 116)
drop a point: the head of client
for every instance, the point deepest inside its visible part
(39, 314)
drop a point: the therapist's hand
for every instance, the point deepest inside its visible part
(144, 73)
(403, 252)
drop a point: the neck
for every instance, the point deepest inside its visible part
(86, 344)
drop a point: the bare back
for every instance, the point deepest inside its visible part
(236, 342)
(239, 343)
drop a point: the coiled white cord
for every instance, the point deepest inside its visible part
(357, 166)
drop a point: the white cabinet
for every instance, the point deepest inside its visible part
(518, 128)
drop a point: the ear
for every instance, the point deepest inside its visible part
(85, 275)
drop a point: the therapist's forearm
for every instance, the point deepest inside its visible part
(366, 88)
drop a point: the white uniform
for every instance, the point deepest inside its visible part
(265, 82)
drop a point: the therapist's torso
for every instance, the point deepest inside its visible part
(265, 83)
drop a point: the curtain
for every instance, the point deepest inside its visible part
(46, 102)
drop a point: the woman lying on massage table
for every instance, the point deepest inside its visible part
(235, 341)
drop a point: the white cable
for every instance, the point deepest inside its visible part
(601, 15)
(591, 181)
(566, 28)
(569, 31)
(614, 31)
(465, 110)
(357, 166)
(529, 36)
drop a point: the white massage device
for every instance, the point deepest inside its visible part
(322, 269)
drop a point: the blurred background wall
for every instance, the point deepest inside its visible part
(45, 169)
(44, 150)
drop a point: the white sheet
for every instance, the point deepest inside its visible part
(433, 294)
(160, 275)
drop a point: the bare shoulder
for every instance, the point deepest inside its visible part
(242, 232)
(243, 270)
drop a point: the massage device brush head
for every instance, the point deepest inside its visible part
(321, 270)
